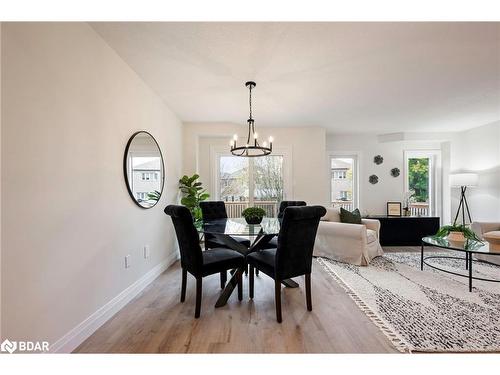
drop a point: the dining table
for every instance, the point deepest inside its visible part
(224, 230)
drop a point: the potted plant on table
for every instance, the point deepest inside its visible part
(457, 233)
(253, 215)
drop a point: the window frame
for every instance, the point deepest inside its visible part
(435, 177)
(356, 156)
(217, 151)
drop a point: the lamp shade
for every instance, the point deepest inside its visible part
(464, 179)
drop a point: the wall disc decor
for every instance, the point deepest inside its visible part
(373, 179)
(378, 159)
(395, 172)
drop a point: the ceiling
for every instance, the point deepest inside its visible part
(346, 77)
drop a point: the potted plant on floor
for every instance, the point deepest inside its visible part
(253, 215)
(193, 193)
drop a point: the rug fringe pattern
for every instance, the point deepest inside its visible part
(395, 339)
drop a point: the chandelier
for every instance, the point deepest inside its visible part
(252, 148)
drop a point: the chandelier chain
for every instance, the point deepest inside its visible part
(250, 101)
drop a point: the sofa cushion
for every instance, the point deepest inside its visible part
(348, 217)
(495, 234)
(371, 235)
(493, 238)
(332, 214)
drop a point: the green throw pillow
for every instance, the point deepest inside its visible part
(353, 217)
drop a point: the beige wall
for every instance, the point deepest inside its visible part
(308, 169)
(69, 106)
(0, 181)
(478, 150)
(373, 198)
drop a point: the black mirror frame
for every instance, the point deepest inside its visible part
(125, 168)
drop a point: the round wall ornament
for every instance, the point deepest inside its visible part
(373, 179)
(395, 172)
(378, 159)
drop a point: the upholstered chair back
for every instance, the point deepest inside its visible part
(296, 240)
(187, 237)
(332, 214)
(212, 210)
(285, 204)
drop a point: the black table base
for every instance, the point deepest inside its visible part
(235, 245)
(468, 266)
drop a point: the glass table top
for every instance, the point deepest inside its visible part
(470, 246)
(239, 227)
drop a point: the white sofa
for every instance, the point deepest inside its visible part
(350, 243)
(480, 228)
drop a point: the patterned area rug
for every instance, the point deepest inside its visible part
(425, 311)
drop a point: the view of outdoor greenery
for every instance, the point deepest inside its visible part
(266, 174)
(418, 178)
(268, 178)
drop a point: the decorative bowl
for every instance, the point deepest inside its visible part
(253, 220)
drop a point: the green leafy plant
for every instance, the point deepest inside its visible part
(418, 178)
(193, 193)
(154, 195)
(253, 214)
(468, 233)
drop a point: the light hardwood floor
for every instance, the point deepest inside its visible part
(156, 322)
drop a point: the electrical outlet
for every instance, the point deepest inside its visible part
(146, 251)
(127, 261)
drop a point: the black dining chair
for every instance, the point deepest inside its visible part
(213, 210)
(285, 204)
(201, 263)
(273, 243)
(293, 256)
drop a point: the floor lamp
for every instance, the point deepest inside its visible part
(463, 181)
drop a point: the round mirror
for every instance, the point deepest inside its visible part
(143, 169)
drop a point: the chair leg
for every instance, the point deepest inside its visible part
(183, 285)
(246, 269)
(198, 297)
(223, 279)
(308, 292)
(277, 297)
(251, 281)
(240, 285)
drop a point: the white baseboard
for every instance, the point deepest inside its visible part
(71, 340)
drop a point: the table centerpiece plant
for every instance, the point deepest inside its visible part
(457, 233)
(253, 215)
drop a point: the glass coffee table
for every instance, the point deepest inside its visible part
(469, 248)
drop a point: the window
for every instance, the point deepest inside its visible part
(339, 174)
(149, 176)
(344, 195)
(244, 182)
(422, 182)
(141, 195)
(343, 184)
